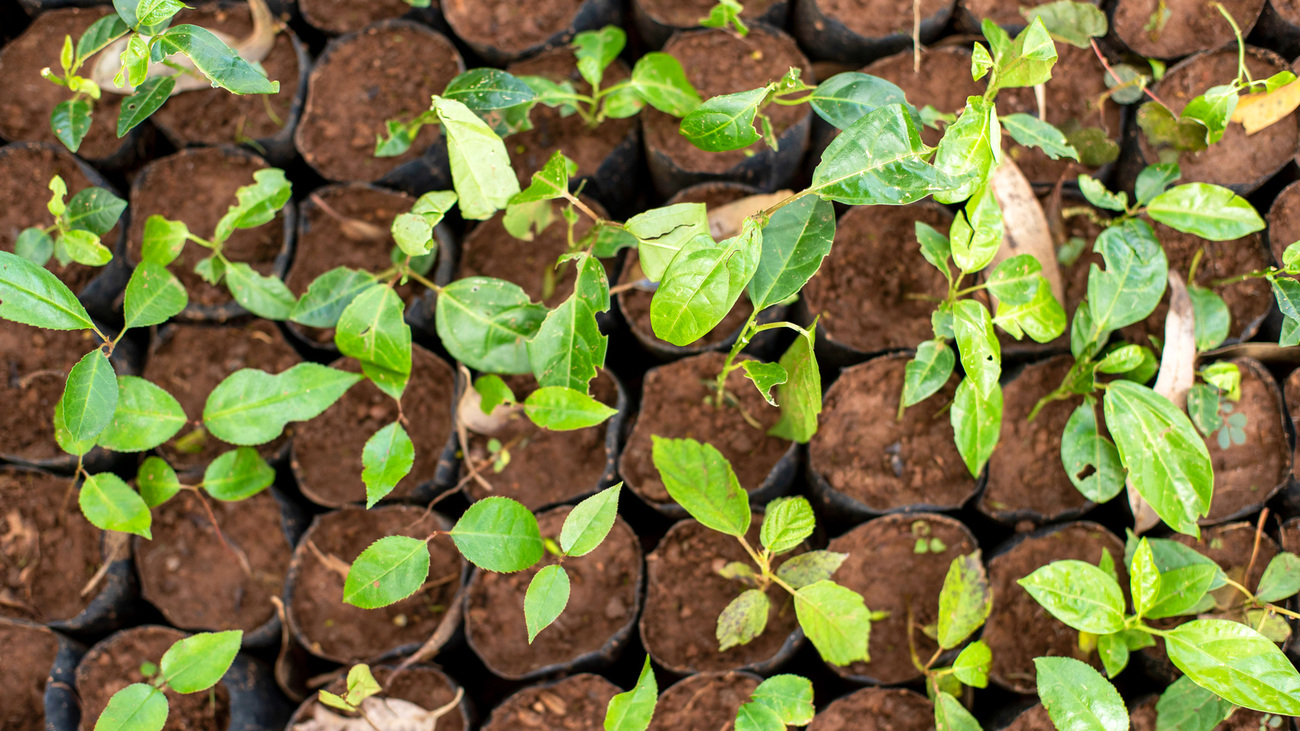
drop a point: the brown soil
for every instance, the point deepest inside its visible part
(48, 552)
(1293, 408)
(323, 244)
(1235, 159)
(718, 62)
(677, 403)
(490, 251)
(197, 187)
(332, 629)
(1245, 475)
(115, 663)
(1019, 626)
(885, 568)
(867, 292)
(424, 685)
(587, 147)
(704, 702)
(25, 175)
(877, 709)
(385, 72)
(688, 13)
(29, 655)
(26, 99)
(1004, 13)
(1283, 221)
(1192, 25)
(943, 82)
(195, 581)
(1035, 718)
(327, 449)
(1288, 9)
(602, 600)
(215, 116)
(576, 703)
(865, 453)
(1026, 474)
(36, 363)
(1143, 718)
(879, 18)
(342, 16)
(546, 467)
(1247, 301)
(189, 361)
(685, 595)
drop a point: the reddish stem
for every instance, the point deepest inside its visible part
(1115, 76)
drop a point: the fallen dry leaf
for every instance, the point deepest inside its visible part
(1257, 111)
(386, 714)
(1025, 225)
(725, 221)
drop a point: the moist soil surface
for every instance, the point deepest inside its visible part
(325, 242)
(36, 364)
(48, 551)
(1235, 159)
(677, 402)
(718, 62)
(115, 663)
(863, 451)
(1188, 29)
(195, 581)
(546, 467)
(1002, 12)
(877, 709)
(897, 562)
(1293, 408)
(576, 703)
(586, 146)
(1283, 221)
(685, 595)
(509, 25)
(25, 175)
(425, 686)
(344, 633)
(196, 187)
(1018, 626)
(344, 16)
(879, 18)
(29, 655)
(26, 99)
(215, 116)
(868, 292)
(327, 450)
(189, 361)
(1026, 477)
(943, 82)
(687, 13)
(1035, 718)
(385, 72)
(602, 600)
(1245, 475)
(704, 702)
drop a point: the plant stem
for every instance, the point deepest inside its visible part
(582, 207)
(746, 334)
(1111, 72)
(424, 280)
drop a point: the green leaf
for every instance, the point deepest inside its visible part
(145, 417)
(1287, 293)
(1211, 316)
(634, 709)
(1144, 579)
(485, 323)
(977, 344)
(1078, 698)
(216, 60)
(387, 457)
(660, 80)
(976, 420)
(153, 12)
(137, 707)
(413, 231)
(800, 396)
(1153, 180)
(498, 534)
(1236, 663)
(487, 89)
(34, 245)
(1091, 460)
(702, 284)
(976, 233)
(724, 122)
(95, 210)
(83, 247)
(373, 330)
(789, 696)
(845, 98)
(237, 475)
(765, 376)
(1209, 211)
(153, 295)
(146, 100)
(972, 665)
(836, 621)
(70, 121)
(1072, 22)
(809, 568)
(787, 523)
(329, 295)
(1099, 196)
(492, 392)
(551, 182)
(662, 232)
(701, 480)
(100, 34)
(110, 504)
(1016, 280)
(1186, 706)
(964, 601)
(895, 173)
(742, 620)
(198, 662)
(480, 165)
(569, 348)
(90, 396)
(157, 481)
(1027, 61)
(31, 295)
(547, 595)
(1079, 594)
(388, 571)
(1134, 279)
(163, 240)
(256, 204)
(63, 437)
(966, 152)
(261, 295)
(252, 407)
(595, 50)
(795, 241)
(1182, 589)
(934, 247)
(1113, 651)
(949, 713)
(1281, 579)
(927, 372)
(1212, 110)
(1030, 131)
(589, 522)
(563, 409)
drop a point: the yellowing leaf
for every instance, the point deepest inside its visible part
(1257, 111)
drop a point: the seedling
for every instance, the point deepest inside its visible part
(964, 604)
(74, 235)
(191, 665)
(1210, 404)
(363, 698)
(726, 14)
(1286, 290)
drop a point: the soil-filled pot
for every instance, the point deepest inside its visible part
(215, 116)
(685, 594)
(1279, 27)
(858, 31)
(604, 601)
(1182, 27)
(37, 676)
(608, 156)
(551, 467)
(1240, 162)
(1284, 221)
(1292, 394)
(1018, 626)
(577, 702)
(656, 20)
(52, 560)
(203, 581)
(245, 699)
(326, 626)
(898, 564)
(719, 62)
(703, 702)
(333, 17)
(26, 99)
(363, 79)
(1006, 13)
(197, 186)
(677, 401)
(502, 31)
(26, 169)
(863, 461)
(189, 361)
(1035, 718)
(326, 451)
(1027, 480)
(877, 709)
(424, 685)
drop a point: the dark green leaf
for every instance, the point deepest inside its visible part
(485, 323)
(216, 60)
(70, 121)
(1091, 460)
(724, 122)
(388, 571)
(934, 247)
(795, 241)
(1186, 706)
(252, 407)
(328, 295)
(1153, 180)
(498, 534)
(157, 481)
(569, 348)
(31, 295)
(1030, 131)
(487, 89)
(237, 475)
(95, 210)
(896, 173)
(926, 373)
(34, 245)
(662, 232)
(373, 330)
(1281, 579)
(146, 100)
(844, 98)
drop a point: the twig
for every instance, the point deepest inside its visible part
(1111, 72)
(1254, 553)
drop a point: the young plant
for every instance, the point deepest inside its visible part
(726, 14)
(964, 604)
(1286, 290)
(192, 665)
(78, 224)
(362, 697)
